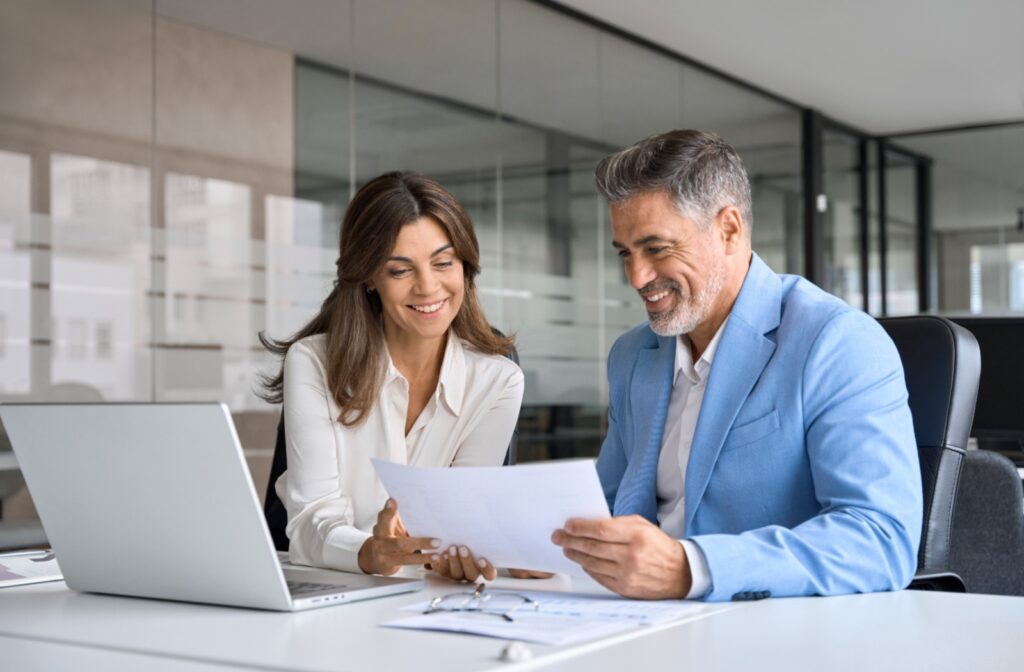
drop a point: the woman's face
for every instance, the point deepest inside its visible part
(421, 285)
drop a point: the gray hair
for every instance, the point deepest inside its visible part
(699, 169)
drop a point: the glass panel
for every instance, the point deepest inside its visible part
(207, 322)
(901, 292)
(15, 270)
(550, 270)
(842, 271)
(977, 183)
(76, 131)
(75, 127)
(100, 274)
(767, 135)
(874, 234)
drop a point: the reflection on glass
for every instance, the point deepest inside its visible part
(300, 266)
(901, 292)
(977, 185)
(15, 311)
(842, 271)
(206, 328)
(997, 278)
(100, 274)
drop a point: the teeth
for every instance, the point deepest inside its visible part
(432, 308)
(654, 298)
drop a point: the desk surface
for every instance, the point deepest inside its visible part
(886, 631)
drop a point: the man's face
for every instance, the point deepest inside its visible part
(677, 269)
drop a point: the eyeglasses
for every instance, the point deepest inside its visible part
(479, 601)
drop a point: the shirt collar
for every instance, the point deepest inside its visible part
(453, 373)
(451, 382)
(698, 372)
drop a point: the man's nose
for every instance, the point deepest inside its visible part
(640, 274)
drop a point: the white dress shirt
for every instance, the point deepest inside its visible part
(330, 489)
(680, 423)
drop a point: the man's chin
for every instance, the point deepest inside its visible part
(665, 324)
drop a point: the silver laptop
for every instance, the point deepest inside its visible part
(155, 500)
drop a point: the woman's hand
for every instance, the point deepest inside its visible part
(391, 547)
(528, 574)
(458, 564)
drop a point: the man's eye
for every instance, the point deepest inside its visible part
(656, 250)
(623, 254)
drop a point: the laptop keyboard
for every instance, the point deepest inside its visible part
(302, 588)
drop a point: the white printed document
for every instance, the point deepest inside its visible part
(503, 514)
(17, 569)
(558, 618)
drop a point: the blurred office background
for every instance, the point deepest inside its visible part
(173, 174)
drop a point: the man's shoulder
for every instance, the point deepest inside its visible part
(806, 308)
(639, 337)
(812, 316)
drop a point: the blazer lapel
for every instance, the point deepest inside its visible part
(650, 392)
(742, 355)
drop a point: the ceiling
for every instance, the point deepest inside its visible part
(881, 65)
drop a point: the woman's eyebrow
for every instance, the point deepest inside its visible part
(432, 254)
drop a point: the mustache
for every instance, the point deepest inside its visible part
(659, 286)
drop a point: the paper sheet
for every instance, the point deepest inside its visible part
(17, 569)
(503, 514)
(560, 619)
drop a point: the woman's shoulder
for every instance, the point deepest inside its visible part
(308, 348)
(490, 367)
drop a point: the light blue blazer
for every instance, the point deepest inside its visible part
(803, 476)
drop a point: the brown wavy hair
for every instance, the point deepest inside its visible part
(350, 317)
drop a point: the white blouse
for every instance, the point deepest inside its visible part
(330, 489)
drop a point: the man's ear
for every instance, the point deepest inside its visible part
(731, 227)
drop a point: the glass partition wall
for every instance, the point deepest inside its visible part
(173, 175)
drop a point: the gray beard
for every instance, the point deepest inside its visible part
(690, 311)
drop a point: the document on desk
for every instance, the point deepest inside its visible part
(503, 514)
(558, 619)
(18, 569)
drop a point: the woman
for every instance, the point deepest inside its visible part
(400, 364)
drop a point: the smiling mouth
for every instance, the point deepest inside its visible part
(428, 308)
(654, 298)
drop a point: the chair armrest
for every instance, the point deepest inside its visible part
(937, 579)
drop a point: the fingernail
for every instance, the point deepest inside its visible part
(452, 551)
(481, 563)
(464, 552)
(435, 559)
(435, 543)
(555, 537)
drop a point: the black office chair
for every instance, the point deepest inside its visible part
(942, 366)
(273, 508)
(987, 547)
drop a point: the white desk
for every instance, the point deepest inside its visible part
(888, 631)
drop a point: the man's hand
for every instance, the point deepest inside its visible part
(627, 555)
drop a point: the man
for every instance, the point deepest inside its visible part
(759, 439)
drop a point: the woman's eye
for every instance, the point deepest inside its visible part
(444, 264)
(398, 272)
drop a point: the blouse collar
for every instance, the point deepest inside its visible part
(451, 383)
